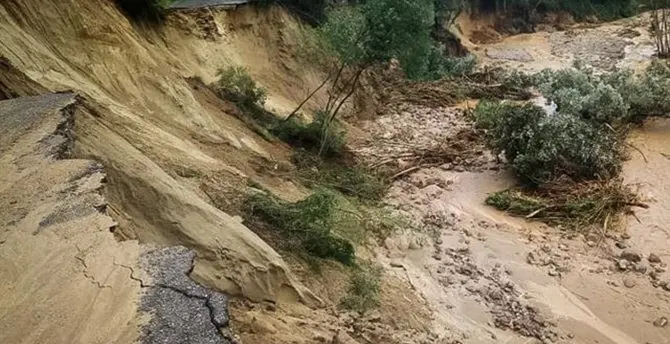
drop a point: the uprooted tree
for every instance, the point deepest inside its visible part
(570, 158)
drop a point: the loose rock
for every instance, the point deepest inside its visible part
(622, 264)
(343, 338)
(661, 322)
(654, 258)
(631, 256)
(641, 267)
(629, 282)
(396, 264)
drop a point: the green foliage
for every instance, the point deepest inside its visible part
(351, 181)
(440, 66)
(310, 222)
(581, 93)
(381, 30)
(236, 84)
(344, 32)
(603, 9)
(515, 202)
(400, 29)
(542, 147)
(649, 94)
(311, 136)
(363, 291)
(613, 98)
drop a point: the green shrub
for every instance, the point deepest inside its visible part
(613, 98)
(515, 202)
(349, 180)
(309, 136)
(542, 147)
(649, 93)
(309, 222)
(236, 84)
(581, 93)
(440, 66)
(363, 291)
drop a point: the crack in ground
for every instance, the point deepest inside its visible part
(206, 299)
(88, 276)
(169, 270)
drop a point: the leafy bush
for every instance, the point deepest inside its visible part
(351, 181)
(440, 66)
(542, 147)
(649, 94)
(581, 93)
(310, 222)
(310, 136)
(613, 98)
(363, 291)
(236, 84)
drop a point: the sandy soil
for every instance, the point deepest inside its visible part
(172, 151)
(145, 122)
(59, 262)
(490, 278)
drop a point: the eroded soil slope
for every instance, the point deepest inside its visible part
(156, 133)
(100, 191)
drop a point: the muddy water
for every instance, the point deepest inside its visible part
(652, 173)
(588, 299)
(583, 305)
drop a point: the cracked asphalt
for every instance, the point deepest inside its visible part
(181, 310)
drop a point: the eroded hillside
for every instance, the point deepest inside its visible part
(156, 131)
(121, 172)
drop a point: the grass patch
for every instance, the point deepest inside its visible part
(352, 181)
(308, 223)
(363, 290)
(325, 225)
(573, 206)
(310, 136)
(236, 85)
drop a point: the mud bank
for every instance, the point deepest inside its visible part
(68, 280)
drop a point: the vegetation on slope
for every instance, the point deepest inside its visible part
(363, 289)
(309, 222)
(570, 159)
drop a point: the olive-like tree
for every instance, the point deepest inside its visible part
(358, 36)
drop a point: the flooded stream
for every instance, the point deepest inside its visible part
(485, 273)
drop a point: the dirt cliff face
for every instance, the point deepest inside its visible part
(140, 116)
(146, 123)
(109, 232)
